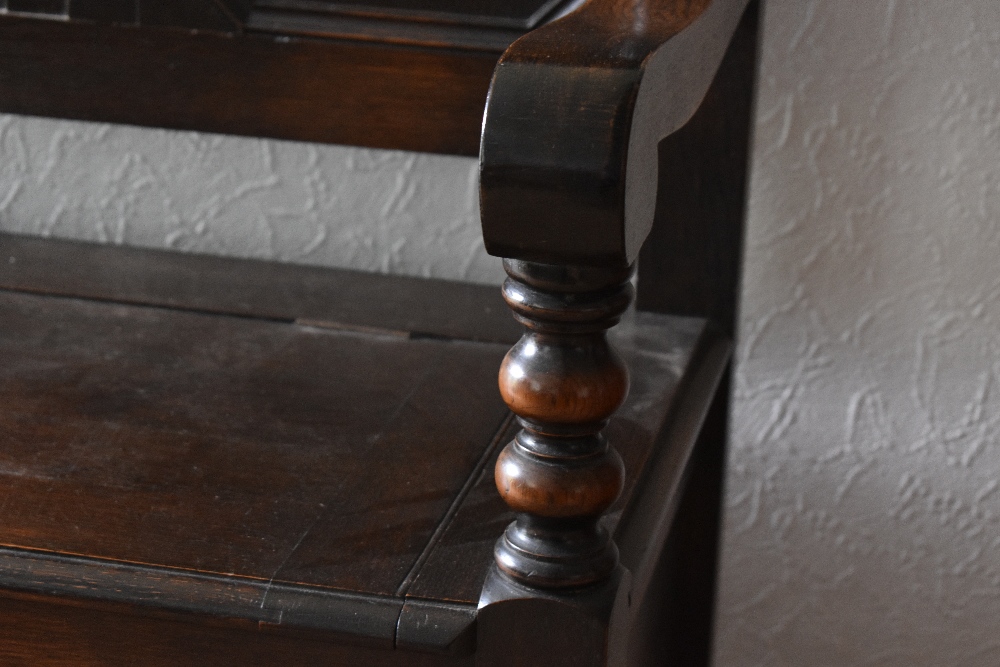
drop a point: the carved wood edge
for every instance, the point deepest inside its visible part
(576, 110)
(316, 612)
(177, 593)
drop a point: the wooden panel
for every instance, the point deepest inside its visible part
(329, 298)
(201, 466)
(337, 92)
(226, 445)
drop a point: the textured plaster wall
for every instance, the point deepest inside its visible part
(863, 511)
(328, 205)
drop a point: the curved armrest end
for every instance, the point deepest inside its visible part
(575, 113)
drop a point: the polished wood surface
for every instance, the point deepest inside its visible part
(563, 381)
(525, 14)
(271, 463)
(569, 165)
(404, 75)
(346, 92)
(576, 111)
(136, 415)
(223, 472)
(484, 25)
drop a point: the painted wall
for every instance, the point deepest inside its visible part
(863, 497)
(385, 211)
(863, 518)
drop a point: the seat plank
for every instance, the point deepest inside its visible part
(334, 298)
(219, 444)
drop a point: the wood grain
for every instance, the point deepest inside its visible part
(345, 92)
(137, 414)
(230, 475)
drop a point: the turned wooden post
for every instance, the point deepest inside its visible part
(568, 182)
(563, 381)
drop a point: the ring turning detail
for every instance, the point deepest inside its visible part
(563, 380)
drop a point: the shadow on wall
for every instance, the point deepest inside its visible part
(863, 513)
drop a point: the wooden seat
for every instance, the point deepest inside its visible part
(220, 461)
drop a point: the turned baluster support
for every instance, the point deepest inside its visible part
(563, 381)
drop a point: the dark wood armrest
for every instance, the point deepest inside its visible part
(574, 116)
(568, 176)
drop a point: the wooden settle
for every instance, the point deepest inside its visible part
(221, 461)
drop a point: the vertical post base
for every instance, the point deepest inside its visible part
(524, 626)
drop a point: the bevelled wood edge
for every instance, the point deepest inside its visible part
(576, 110)
(312, 296)
(264, 85)
(426, 625)
(364, 619)
(642, 529)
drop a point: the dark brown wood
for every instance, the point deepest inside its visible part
(641, 520)
(666, 355)
(681, 594)
(690, 264)
(134, 418)
(563, 381)
(485, 25)
(521, 627)
(294, 464)
(346, 92)
(214, 473)
(409, 75)
(568, 160)
(126, 432)
(671, 603)
(326, 298)
(632, 619)
(575, 114)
